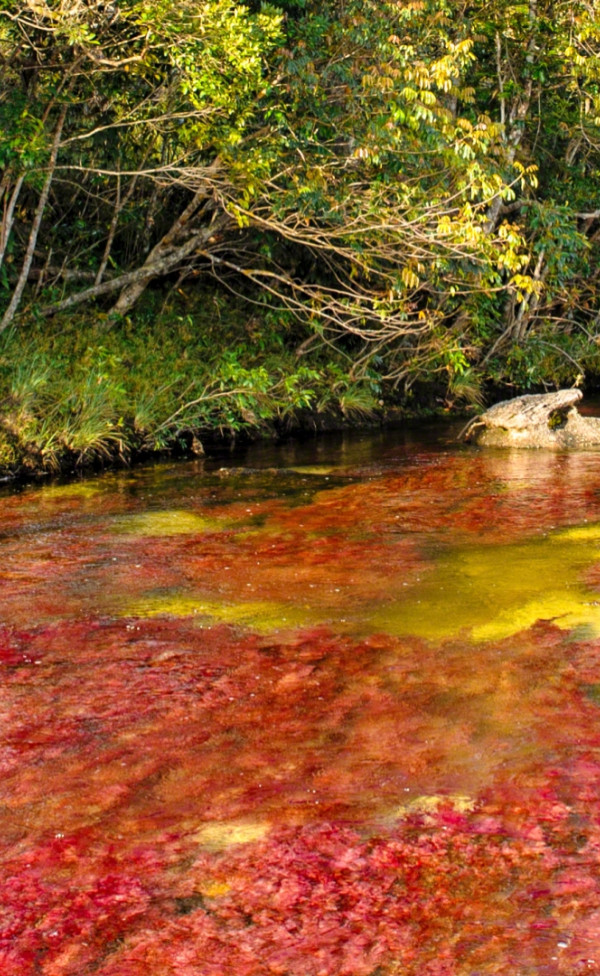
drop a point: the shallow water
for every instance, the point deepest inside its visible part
(321, 708)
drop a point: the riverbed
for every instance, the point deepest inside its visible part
(324, 707)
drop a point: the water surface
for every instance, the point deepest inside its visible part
(320, 708)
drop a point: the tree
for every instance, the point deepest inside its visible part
(391, 173)
(119, 102)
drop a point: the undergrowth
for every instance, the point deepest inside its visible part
(84, 391)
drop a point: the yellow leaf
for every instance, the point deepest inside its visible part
(409, 278)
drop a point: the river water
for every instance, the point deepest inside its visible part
(320, 708)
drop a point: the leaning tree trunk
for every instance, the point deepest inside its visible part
(160, 259)
(35, 227)
(169, 261)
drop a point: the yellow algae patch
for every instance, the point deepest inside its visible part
(491, 592)
(581, 533)
(566, 611)
(220, 835)
(248, 535)
(172, 521)
(430, 803)
(263, 617)
(215, 889)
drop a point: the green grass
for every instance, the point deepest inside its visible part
(79, 391)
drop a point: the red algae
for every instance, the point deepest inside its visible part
(181, 795)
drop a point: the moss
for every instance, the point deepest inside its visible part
(10, 456)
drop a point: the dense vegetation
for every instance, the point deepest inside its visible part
(220, 214)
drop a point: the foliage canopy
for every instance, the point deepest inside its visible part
(411, 183)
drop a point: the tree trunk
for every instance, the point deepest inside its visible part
(160, 257)
(120, 203)
(163, 264)
(7, 220)
(35, 227)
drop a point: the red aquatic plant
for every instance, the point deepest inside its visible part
(181, 799)
(162, 727)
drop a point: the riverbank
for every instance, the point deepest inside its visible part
(88, 393)
(83, 396)
(191, 371)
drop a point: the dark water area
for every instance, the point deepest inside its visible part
(323, 707)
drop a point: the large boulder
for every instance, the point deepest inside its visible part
(548, 420)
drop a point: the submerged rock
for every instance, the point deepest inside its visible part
(549, 420)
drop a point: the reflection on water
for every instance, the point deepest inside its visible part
(315, 708)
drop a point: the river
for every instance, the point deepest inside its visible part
(323, 708)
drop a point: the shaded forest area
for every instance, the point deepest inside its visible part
(225, 216)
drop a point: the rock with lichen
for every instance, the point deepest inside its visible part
(545, 420)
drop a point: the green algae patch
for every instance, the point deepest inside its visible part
(262, 616)
(168, 522)
(492, 592)
(83, 490)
